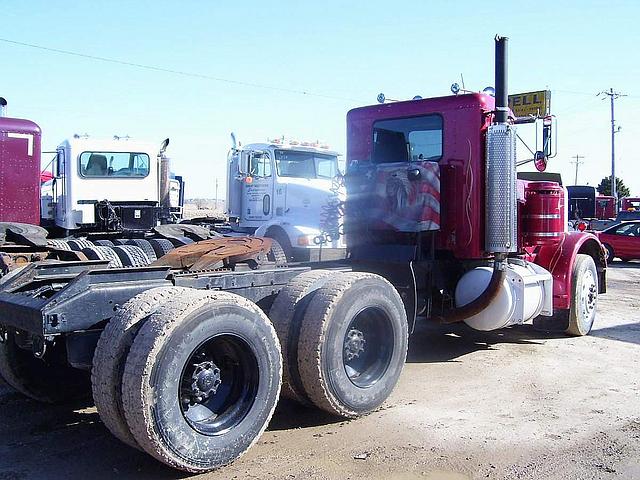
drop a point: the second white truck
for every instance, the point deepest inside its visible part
(289, 191)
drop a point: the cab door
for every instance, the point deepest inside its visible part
(257, 195)
(627, 244)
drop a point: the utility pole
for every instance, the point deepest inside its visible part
(612, 96)
(578, 163)
(216, 204)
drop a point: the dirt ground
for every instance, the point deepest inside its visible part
(508, 404)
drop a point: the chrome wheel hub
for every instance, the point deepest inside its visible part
(354, 344)
(205, 381)
(588, 295)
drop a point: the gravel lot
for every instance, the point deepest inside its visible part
(507, 404)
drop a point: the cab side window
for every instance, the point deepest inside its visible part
(260, 166)
(412, 139)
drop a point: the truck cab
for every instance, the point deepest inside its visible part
(630, 204)
(19, 170)
(434, 203)
(288, 191)
(105, 185)
(605, 207)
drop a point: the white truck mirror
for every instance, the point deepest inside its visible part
(59, 164)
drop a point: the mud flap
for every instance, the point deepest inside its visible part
(398, 270)
(558, 322)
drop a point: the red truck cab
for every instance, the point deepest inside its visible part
(19, 171)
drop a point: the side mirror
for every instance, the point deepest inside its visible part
(59, 164)
(244, 164)
(540, 161)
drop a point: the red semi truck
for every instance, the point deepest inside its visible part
(19, 170)
(188, 365)
(630, 204)
(605, 207)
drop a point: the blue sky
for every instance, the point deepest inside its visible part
(347, 52)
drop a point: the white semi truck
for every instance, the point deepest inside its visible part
(109, 185)
(289, 191)
(100, 199)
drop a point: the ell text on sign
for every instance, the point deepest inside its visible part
(530, 103)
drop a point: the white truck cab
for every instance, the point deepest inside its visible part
(112, 184)
(288, 191)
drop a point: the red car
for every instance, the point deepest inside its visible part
(622, 241)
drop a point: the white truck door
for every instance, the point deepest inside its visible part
(257, 195)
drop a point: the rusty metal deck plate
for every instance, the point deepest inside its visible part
(215, 253)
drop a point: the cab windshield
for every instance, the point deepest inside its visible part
(306, 164)
(114, 164)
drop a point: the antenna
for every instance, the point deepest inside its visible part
(382, 99)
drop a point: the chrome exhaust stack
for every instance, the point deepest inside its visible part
(514, 291)
(501, 228)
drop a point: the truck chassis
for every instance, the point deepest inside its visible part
(209, 330)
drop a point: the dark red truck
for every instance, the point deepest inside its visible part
(19, 171)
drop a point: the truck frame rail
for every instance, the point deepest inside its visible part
(56, 298)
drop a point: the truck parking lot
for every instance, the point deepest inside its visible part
(510, 403)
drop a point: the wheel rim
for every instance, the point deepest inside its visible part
(368, 347)
(219, 384)
(588, 296)
(609, 256)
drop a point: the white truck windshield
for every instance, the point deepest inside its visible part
(114, 164)
(299, 164)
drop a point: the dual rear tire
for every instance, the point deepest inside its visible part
(191, 378)
(344, 339)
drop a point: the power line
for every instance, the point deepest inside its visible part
(177, 72)
(588, 94)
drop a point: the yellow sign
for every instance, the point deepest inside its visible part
(537, 104)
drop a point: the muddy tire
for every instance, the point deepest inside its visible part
(281, 239)
(103, 253)
(146, 248)
(161, 246)
(353, 344)
(111, 353)
(202, 380)
(58, 244)
(276, 253)
(584, 296)
(103, 243)
(286, 314)
(131, 256)
(38, 379)
(78, 244)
